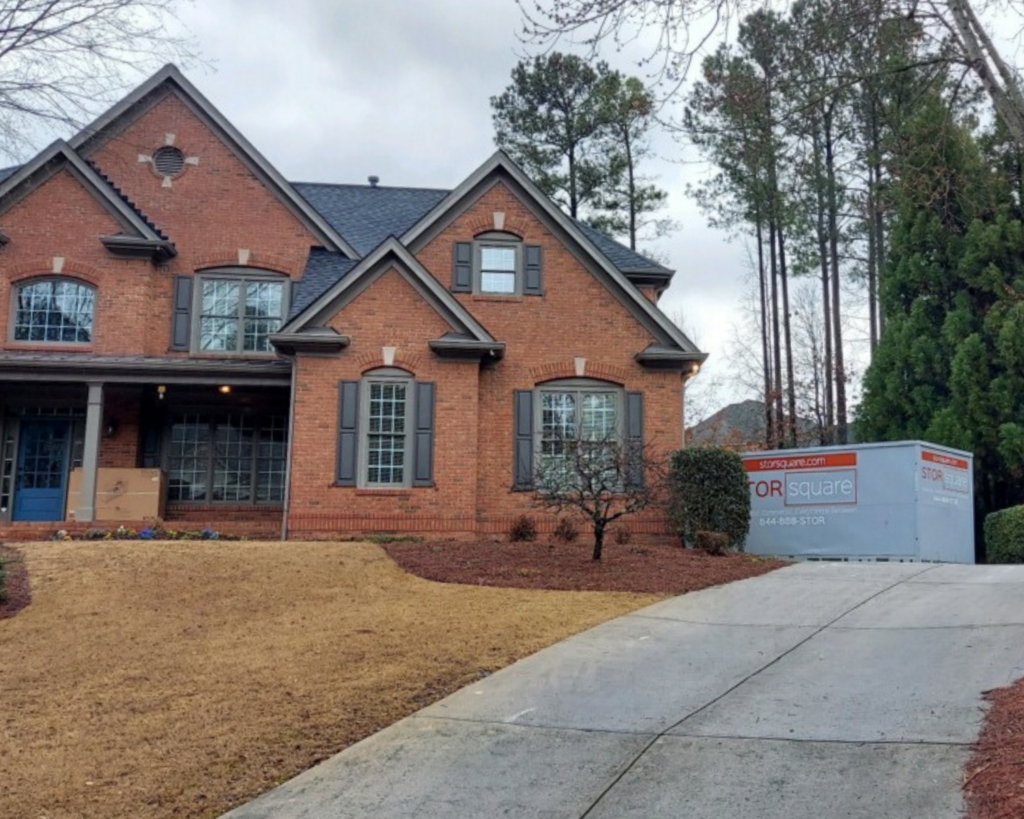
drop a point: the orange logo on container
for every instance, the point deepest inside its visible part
(823, 461)
(945, 460)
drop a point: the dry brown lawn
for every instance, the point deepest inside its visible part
(180, 679)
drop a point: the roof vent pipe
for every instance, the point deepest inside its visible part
(373, 180)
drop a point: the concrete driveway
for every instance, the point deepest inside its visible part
(818, 691)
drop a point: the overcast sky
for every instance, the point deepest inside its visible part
(336, 90)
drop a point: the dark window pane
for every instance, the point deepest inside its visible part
(55, 311)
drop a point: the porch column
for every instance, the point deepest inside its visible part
(86, 510)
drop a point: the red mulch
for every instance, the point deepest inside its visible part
(624, 568)
(994, 782)
(16, 590)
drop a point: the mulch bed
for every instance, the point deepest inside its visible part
(16, 588)
(994, 781)
(625, 568)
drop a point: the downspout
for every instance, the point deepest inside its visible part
(288, 458)
(682, 409)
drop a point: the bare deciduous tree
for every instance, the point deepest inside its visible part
(684, 28)
(603, 480)
(62, 59)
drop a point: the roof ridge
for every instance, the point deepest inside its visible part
(125, 198)
(365, 186)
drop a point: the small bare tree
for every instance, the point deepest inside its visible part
(603, 480)
(61, 59)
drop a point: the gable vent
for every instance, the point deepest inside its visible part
(169, 161)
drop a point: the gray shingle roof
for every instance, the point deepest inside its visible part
(626, 260)
(365, 215)
(323, 269)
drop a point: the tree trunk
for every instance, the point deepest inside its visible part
(632, 188)
(833, 241)
(776, 340)
(765, 357)
(787, 332)
(598, 540)
(872, 267)
(827, 381)
(573, 201)
(787, 428)
(878, 222)
(988, 65)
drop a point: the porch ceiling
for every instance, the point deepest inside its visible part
(81, 367)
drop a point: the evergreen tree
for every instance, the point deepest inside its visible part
(950, 366)
(580, 132)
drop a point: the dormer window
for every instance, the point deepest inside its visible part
(498, 264)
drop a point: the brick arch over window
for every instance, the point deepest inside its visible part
(567, 369)
(484, 223)
(70, 268)
(375, 360)
(257, 260)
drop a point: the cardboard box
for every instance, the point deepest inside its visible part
(122, 494)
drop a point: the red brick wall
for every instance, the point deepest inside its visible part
(577, 317)
(120, 408)
(62, 219)
(212, 210)
(389, 313)
(217, 208)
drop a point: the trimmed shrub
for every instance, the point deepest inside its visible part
(623, 535)
(522, 528)
(1004, 536)
(709, 492)
(566, 531)
(714, 543)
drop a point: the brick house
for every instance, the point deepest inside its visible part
(186, 334)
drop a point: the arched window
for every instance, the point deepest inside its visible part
(57, 311)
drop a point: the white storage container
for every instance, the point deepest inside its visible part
(906, 500)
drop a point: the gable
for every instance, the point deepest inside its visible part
(390, 310)
(389, 255)
(477, 206)
(62, 201)
(131, 233)
(167, 110)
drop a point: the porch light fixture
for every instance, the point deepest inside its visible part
(224, 389)
(161, 391)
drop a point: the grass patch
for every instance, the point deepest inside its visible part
(186, 678)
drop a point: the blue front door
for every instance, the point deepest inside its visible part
(44, 449)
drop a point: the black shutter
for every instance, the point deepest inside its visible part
(181, 323)
(523, 444)
(533, 271)
(423, 444)
(634, 442)
(462, 271)
(348, 432)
